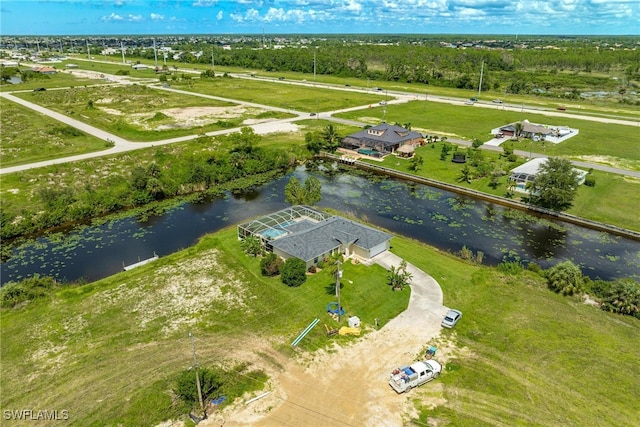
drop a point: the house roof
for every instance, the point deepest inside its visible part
(531, 167)
(528, 128)
(385, 134)
(317, 239)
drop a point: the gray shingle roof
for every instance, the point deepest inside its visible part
(326, 236)
(385, 134)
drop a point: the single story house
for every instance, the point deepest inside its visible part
(44, 70)
(529, 130)
(526, 173)
(140, 67)
(534, 131)
(310, 235)
(384, 139)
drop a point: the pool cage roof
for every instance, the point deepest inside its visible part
(278, 221)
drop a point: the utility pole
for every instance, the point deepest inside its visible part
(195, 366)
(314, 65)
(480, 85)
(213, 64)
(88, 51)
(155, 54)
(122, 48)
(338, 275)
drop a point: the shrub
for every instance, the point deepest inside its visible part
(532, 266)
(186, 388)
(271, 265)
(565, 278)
(590, 181)
(294, 272)
(14, 293)
(510, 267)
(623, 297)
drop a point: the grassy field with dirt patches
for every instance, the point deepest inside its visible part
(109, 350)
(29, 137)
(139, 113)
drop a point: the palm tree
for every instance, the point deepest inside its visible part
(330, 137)
(519, 126)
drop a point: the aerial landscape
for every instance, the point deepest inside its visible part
(307, 213)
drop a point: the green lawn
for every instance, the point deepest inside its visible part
(282, 95)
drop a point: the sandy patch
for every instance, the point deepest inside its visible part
(181, 293)
(111, 111)
(275, 127)
(615, 162)
(13, 190)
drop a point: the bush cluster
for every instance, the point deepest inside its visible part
(34, 287)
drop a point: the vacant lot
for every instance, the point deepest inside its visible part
(139, 113)
(28, 137)
(283, 95)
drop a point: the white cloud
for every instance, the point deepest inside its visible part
(352, 6)
(204, 3)
(134, 18)
(112, 17)
(220, 15)
(157, 17)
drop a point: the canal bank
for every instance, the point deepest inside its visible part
(513, 204)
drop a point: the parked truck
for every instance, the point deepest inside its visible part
(407, 377)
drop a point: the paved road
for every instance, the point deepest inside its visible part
(122, 145)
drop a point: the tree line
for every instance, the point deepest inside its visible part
(542, 69)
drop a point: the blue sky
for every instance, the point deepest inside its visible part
(113, 17)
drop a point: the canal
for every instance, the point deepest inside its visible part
(439, 218)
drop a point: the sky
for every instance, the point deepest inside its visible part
(138, 17)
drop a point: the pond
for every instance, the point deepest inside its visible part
(439, 218)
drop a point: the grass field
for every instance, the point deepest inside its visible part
(526, 356)
(50, 81)
(29, 137)
(282, 95)
(110, 349)
(581, 106)
(140, 113)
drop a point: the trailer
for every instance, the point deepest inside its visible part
(407, 377)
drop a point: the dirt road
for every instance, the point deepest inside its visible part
(349, 386)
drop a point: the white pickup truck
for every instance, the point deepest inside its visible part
(407, 377)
